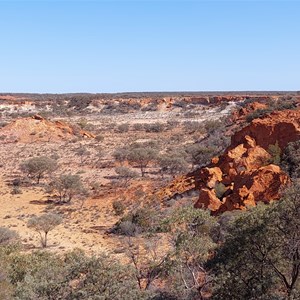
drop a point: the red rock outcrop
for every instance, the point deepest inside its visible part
(241, 114)
(37, 129)
(281, 126)
(243, 173)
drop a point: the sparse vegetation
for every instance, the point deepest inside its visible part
(122, 192)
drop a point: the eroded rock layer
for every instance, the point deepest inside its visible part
(244, 174)
(36, 128)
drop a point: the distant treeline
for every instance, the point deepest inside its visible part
(130, 95)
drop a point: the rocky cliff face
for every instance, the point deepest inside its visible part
(243, 175)
(281, 126)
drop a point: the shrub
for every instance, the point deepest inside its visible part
(138, 126)
(16, 190)
(120, 154)
(275, 153)
(118, 207)
(198, 154)
(83, 153)
(154, 127)
(171, 124)
(7, 235)
(123, 128)
(212, 125)
(220, 189)
(128, 228)
(291, 159)
(99, 138)
(47, 276)
(173, 163)
(193, 126)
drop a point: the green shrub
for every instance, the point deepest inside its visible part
(220, 189)
(118, 207)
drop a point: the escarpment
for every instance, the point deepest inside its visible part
(244, 174)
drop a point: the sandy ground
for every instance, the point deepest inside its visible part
(83, 226)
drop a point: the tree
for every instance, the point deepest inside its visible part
(291, 159)
(120, 154)
(260, 258)
(192, 235)
(47, 276)
(198, 154)
(66, 186)
(126, 174)
(141, 156)
(37, 167)
(147, 267)
(43, 224)
(173, 164)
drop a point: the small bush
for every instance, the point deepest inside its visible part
(155, 127)
(138, 127)
(220, 189)
(128, 228)
(118, 207)
(275, 153)
(7, 235)
(99, 138)
(123, 128)
(16, 190)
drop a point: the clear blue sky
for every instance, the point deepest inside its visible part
(114, 46)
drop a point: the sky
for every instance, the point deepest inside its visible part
(131, 46)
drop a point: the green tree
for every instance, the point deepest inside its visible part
(46, 276)
(141, 156)
(173, 163)
(66, 187)
(198, 154)
(192, 235)
(37, 167)
(260, 258)
(126, 174)
(291, 159)
(43, 224)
